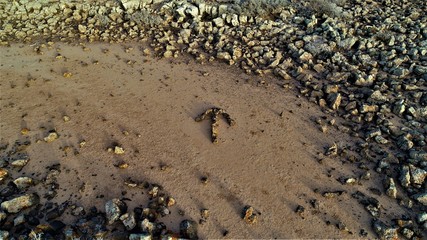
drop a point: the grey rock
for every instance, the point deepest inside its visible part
(17, 204)
(418, 155)
(391, 189)
(407, 233)
(114, 209)
(405, 176)
(422, 217)
(421, 197)
(4, 235)
(19, 220)
(140, 236)
(347, 43)
(188, 229)
(128, 220)
(147, 226)
(385, 232)
(418, 175)
(404, 143)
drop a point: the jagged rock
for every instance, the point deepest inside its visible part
(391, 189)
(418, 155)
(418, 175)
(334, 100)
(347, 43)
(23, 182)
(4, 235)
(147, 226)
(128, 220)
(3, 174)
(385, 232)
(52, 136)
(140, 236)
(17, 204)
(114, 209)
(422, 217)
(421, 197)
(188, 229)
(405, 176)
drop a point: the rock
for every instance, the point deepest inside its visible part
(119, 150)
(223, 55)
(249, 215)
(391, 189)
(140, 236)
(405, 176)
(422, 217)
(147, 226)
(168, 54)
(3, 174)
(130, 4)
(4, 235)
(192, 10)
(407, 233)
(404, 143)
(82, 28)
(418, 175)
(51, 137)
(114, 209)
(19, 163)
(23, 182)
(17, 204)
(19, 220)
(188, 229)
(418, 155)
(385, 232)
(421, 197)
(347, 43)
(334, 100)
(128, 220)
(3, 216)
(219, 22)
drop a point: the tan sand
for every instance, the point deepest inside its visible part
(266, 160)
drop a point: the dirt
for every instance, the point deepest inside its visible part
(146, 105)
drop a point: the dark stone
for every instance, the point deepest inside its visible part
(188, 229)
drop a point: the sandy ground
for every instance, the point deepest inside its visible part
(267, 160)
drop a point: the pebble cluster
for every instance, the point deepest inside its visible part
(364, 61)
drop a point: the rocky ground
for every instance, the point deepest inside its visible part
(363, 63)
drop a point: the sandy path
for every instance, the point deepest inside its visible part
(267, 161)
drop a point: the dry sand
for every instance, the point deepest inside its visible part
(267, 160)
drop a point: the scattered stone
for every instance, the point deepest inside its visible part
(114, 209)
(188, 229)
(384, 232)
(119, 150)
(3, 174)
(128, 220)
(52, 136)
(391, 189)
(249, 215)
(421, 197)
(20, 163)
(300, 210)
(418, 175)
(23, 182)
(17, 204)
